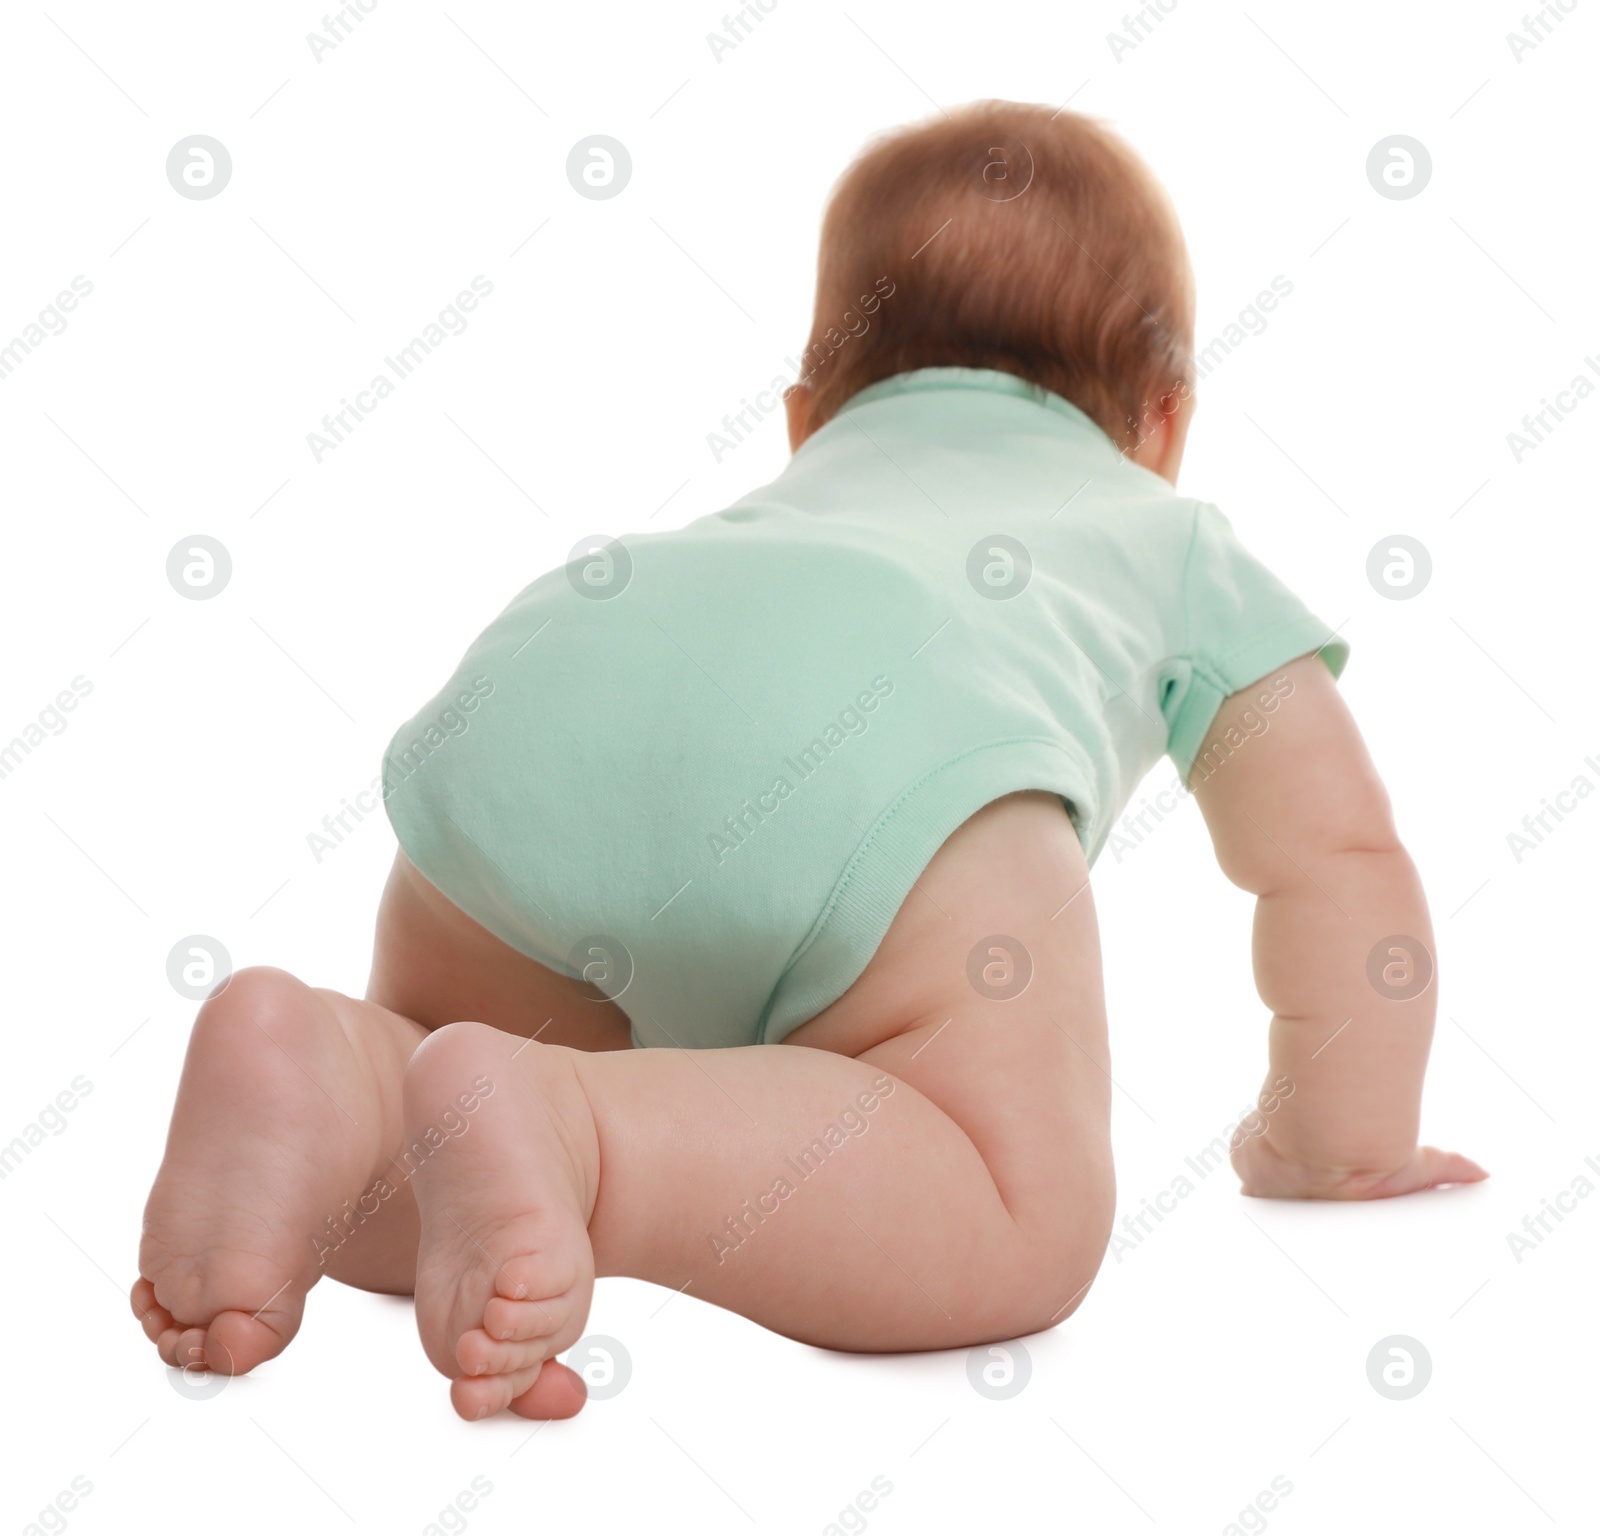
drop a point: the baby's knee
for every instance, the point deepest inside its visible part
(1059, 1253)
(1045, 1291)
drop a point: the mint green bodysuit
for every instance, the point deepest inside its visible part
(703, 768)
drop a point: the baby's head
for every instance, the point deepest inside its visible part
(1008, 236)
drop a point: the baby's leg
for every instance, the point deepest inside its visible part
(933, 1171)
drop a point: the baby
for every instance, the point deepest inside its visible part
(740, 937)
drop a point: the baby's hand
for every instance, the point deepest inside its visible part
(1264, 1172)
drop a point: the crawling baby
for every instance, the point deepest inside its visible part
(740, 937)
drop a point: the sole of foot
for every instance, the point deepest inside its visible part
(505, 1272)
(273, 1129)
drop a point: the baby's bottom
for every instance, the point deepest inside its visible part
(925, 1164)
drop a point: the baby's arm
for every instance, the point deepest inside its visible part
(1300, 818)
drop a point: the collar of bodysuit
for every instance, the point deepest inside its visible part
(992, 381)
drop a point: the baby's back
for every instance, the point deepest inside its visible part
(958, 588)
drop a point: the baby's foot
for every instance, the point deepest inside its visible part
(277, 1124)
(505, 1271)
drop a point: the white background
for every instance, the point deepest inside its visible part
(1229, 1346)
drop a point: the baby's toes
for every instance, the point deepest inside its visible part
(476, 1397)
(237, 1342)
(558, 1393)
(183, 1347)
(153, 1317)
(480, 1355)
(507, 1320)
(529, 1276)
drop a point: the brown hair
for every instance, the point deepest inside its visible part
(1008, 237)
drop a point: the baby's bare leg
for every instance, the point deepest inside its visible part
(932, 1171)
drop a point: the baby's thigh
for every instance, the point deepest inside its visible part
(434, 964)
(1000, 926)
(986, 996)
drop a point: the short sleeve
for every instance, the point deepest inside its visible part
(1241, 623)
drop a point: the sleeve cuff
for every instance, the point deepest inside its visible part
(1215, 680)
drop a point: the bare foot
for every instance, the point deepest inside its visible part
(1264, 1171)
(279, 1121)
(505, 1271)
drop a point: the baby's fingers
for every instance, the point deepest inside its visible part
(1428, 1167)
